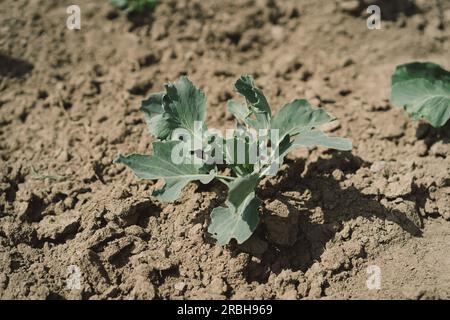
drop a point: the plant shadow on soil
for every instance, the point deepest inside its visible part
(390, 9)
(14, 67)
(137, 19)
(432, 135)
(313, 222)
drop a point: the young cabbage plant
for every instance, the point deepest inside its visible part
(423, 90)
(185, 150)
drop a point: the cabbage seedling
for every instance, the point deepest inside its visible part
(186, 150)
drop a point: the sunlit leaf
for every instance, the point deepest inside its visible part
(423, 90)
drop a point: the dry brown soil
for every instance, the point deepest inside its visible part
(69, 105)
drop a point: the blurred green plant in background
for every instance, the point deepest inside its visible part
(139, 6)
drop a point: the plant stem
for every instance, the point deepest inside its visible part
(225, 177)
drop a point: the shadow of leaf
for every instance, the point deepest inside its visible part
(13, 67)
(432, 135)
(297, 238)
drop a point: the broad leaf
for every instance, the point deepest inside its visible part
(312, 138)
(238, 110)
(160, 166)
(245, 116)
(257, 109)
(246, 87)
(157, 122)
(179, 107)
(298, 116)
(299, 127)
(423, 90)
(240, 218)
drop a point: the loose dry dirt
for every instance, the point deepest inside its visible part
(69, 105)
